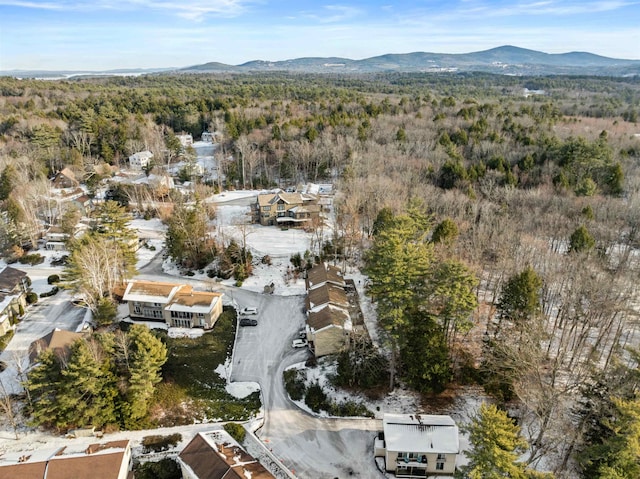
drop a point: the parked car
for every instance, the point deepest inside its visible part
(249, 310)
(248, 322)
(302, 333)
(299, 343)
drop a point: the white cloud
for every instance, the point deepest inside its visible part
(190, 9)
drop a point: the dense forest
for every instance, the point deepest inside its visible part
(506, 208)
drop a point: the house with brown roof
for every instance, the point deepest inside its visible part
(328, 330)
(215, 455)
(111, 460)
(290, 209)
(58, 341)
(65, 178)
(322, 274)
(178, 305)
(326, 294)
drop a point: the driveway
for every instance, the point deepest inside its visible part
(312, 447)
(55, 312)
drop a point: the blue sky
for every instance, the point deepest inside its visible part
(105, 34)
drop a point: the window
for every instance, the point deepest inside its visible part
(442, 457)
(280, 207)
(136, 309)
(266, 208)
(439, 466)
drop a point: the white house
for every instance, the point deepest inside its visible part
(186, 139)
(206, 136)
(140, 160)
(417, 445)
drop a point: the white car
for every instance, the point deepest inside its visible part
(249, 310)
(299, 343)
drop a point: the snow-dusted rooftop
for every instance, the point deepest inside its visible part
(420, 433)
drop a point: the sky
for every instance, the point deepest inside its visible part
(93, 35)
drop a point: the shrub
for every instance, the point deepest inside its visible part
(54, 278)
(61, 261)
(349, 409)
(31, 259)
(236, 431)
(316, 398)
(294, 384)
(31, 297)
(51, 292)
(166, 468)
(160, 443)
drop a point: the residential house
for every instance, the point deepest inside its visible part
(416, 445)
(324, 295)
(328, 330)
(59, 341)
(64, 179)
(206, 136)
(178, 305)
(13, 290)
(110, 460)
(140, 160)
(216, 455)
(290, 209)
(185, 139)
(322, 274)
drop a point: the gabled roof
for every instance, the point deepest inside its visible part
(146, 154)
(99, 461)
(65, 173)
(420, 433)
(194, 301)
(10, 278)
(323, 273)
(329, 316)
(325, 294)
(209, 459)
(288, 198)
(153, 291)
(58, 340)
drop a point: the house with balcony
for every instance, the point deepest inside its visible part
(418, 445)
(286, 209)
(177, 305)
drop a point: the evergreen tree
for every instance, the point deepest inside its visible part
(8, 181)
(188, 241)
(88, 392)
(397, 264)
(43, 383)
(147, 355)
(495, 446)
(581, 240)
(425, 355)
(520, 297)
(445, 232)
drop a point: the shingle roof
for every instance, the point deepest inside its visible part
(420, 433)
(211, 460)
(325, 294)
(322, 273)
(10, 278)
(329, 316)
(196, 301)
(153, 291)
(57, 340)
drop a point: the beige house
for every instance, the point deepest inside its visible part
(215, 455)
(415, 445)
(178, 305)
(111, 460)
(329, 324)
(13, 290)
(328, 330)
(290, 209)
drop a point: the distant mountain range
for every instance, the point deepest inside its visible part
(506, 60)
